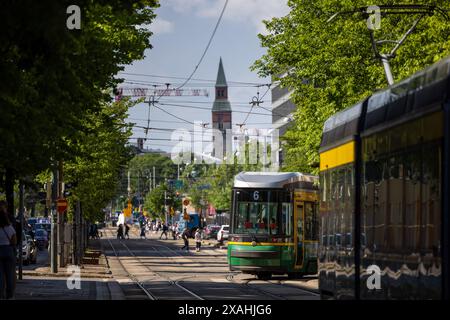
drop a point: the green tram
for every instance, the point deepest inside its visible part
(385, 193)
(274, 226)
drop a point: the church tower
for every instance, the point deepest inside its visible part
(221, 111)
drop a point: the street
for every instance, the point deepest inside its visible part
(158, 270)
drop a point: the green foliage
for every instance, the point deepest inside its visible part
(96, 169)
(154, 201)
(212, 184)
(141, 169)
(337, 60)
(55, 89)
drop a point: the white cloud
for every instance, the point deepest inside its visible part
(160, 26)
(252, 11)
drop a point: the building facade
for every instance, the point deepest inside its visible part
(282, 113)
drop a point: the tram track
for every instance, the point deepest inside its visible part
(186, 287)
(171, 282)
(131, 276)
(149, 294)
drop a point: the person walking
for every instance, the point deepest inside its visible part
(174, 231)
(8, 242)
(164, 231)
(120, 232)
(198, 239)
(185, 236)
(143, 232)
(127, 230)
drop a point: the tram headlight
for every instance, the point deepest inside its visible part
(254, 243)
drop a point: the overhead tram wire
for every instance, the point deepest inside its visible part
(212, 85)
(170, 131)
(209, 109)
(195, 69)
(173, 121)
(254, 103)
(207, 46)
(252, 84)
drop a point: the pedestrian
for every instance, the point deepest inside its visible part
(8, 242)
(143, 232)
(198, 239)
(164, 231)
(120, 232)
(174, 232)
(185, 236)
(127, 230)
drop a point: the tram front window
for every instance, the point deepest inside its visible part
(256, 217)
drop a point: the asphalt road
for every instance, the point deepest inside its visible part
(158, 270)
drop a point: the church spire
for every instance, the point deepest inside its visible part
(221, 81)
(221, 102)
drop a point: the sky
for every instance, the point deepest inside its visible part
(181, 32)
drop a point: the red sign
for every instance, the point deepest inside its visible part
(61, 205)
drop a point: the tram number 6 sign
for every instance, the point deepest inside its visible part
(256, 195)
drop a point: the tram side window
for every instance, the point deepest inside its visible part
(431, 200)
(311, 221)
(395, 223)
(286, 218)
(324, 212)
(349, 206)
(412, 199)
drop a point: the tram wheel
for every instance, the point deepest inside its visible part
(264, 276)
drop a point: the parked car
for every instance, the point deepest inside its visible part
(46, 226)
(29, 250)
(32, 222)
(211, 231)
(41, 238)
(222, 234)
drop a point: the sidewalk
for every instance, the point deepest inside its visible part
(96, 282)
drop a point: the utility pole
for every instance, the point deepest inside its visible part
(154, 178)
(150, 182)
(61, 235)
(54, 237)
(129, 185)
(21, 205)
(165, 205)
(76, 234)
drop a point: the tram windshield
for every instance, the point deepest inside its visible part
(256, 212)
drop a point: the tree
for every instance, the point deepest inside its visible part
(55, 79)
(95, 171)
(57, 82)
(154, 201)
(141, 169)
(330, 66)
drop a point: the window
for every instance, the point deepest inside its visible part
(257, 212)
(286, 218)
(311, 221)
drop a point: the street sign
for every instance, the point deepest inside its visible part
(186, 202)
(128, 211)
(178, 184)
(61, 205)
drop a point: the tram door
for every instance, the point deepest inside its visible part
(298, 241)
